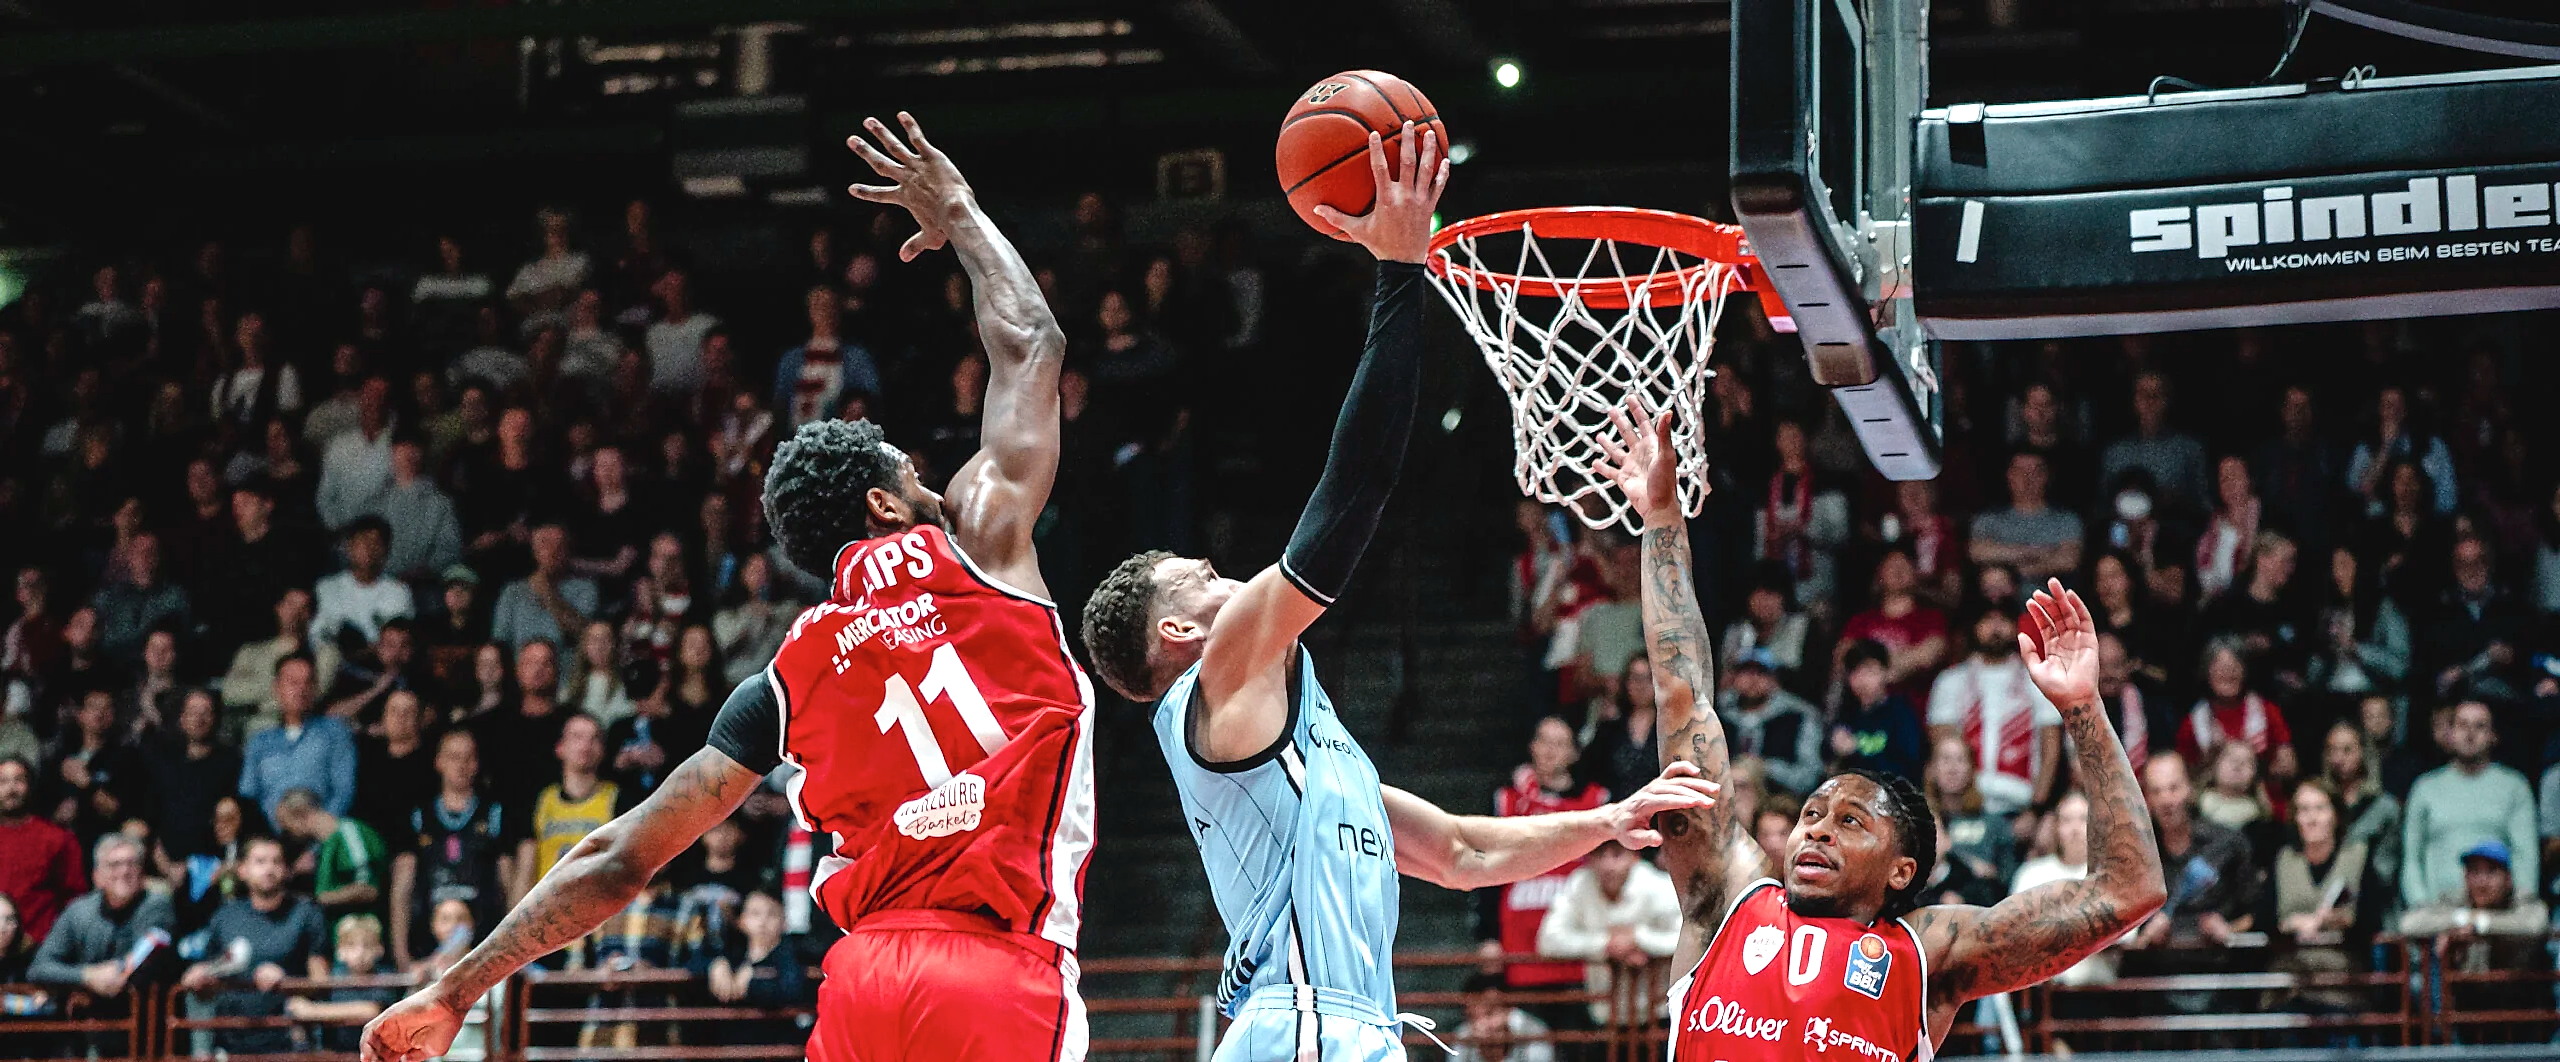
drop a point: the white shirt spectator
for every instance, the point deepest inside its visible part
(344, 602)
(675, 353)
(235, 397)
(1998, 711)
(1582, 916)
(469, 287)
(355, 475)
(2097, 969)
(564, 273)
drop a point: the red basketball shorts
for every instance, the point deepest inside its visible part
(929, 986)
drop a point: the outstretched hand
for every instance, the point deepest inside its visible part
(925, 181)
(2063, 656)
(1643, 465)
(1679, 788)
(413, 1030)
(1398, 227)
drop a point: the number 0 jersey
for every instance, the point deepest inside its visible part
(1774, 985)
(944, 737)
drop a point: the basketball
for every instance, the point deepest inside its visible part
(1323, 140)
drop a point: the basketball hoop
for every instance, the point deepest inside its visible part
(1621, 301)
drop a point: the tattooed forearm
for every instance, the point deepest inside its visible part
(1696, 845)
(2037, 934)
(602, 873)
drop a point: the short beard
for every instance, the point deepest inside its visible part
(1816, 906)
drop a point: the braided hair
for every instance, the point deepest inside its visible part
(1915, 834)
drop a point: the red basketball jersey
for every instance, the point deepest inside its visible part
(1776, 986)
(944, 736)
(1525, 902)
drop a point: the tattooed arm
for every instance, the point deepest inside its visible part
(1709, 855)
(1977, 951)
(597, 877)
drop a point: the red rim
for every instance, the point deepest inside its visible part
(1696, 237)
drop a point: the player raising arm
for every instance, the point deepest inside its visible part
(1861, 965)
(929, 697)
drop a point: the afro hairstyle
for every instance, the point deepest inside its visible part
(813, 493)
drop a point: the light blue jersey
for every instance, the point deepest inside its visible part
(1303, 869)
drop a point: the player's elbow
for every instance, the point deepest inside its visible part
(1038, 339)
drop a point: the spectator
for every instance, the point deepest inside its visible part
(1913, 634)
(1775, 823)
(2213, 884)
(442, 302)
(2230, 536)
(355, 603)
(463, 852)
(2159, 544)
(355, 467)
(129, 609)
(192, 770)
(2135, 711)
(2069, 861)
(543, 287)
(2546, 555)
(612, 521)
(453, 634)
(2029, 536)
(1779, 727)
(95, 778)
(424, 537)
(2394, 439)
(1954, 879)
(104, 938)
(2173, 459)
(1800, 523)
(762, 973)
(1965, 825)
(504, 492)
(1771, 627)
(351, 870)
(1496, 1031)
(250, 684)
(1623, 744)
(1616, 910)
(2459, 805)
(1985, 700)
(2039, 428)
(674, 341)
(2472, 640)
(519, 736)
(2324, 896)
(395, 771)
(759, 613)
(1604, 626)
(573, 807)
(814, 378)
(2485, 923)
(547, 603)
(1508, 916)
(2297, 474)
(262, 937)
(39, 860)
(362, 687)
(2233, 798)
(2364, 642)
(590, 350)
(2230, 711)
(2406, 760)
(2350, 773)
(1878, 729)
(251, 395)
(146, 708)
(358, 953)
(303, 750)
(595, 687)
(17, 951)
(245, 577)
(2407, 541)
(1937, 550)
(2265, 613)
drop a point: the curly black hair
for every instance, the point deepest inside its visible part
(1117, 619)
(1915, 834)
(813, 493)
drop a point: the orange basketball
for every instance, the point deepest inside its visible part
(1325, 140)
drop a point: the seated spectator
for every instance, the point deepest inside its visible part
(2212, 879)
(1914, 634)
(1774, 823)
(814, 377)
(762, 973)
(2297, 473)
(611, 520)
(358, 953)
(355, 603)
(1878, 729)
(442, 302)
(1985, 700)
(1622, 746)
(2124, 612)
(453, 634)
(262, 938)
(1779, 727)
(304, 749)
(250, 394)
(2471, 642)
(596, 683)
(570, 809)
(1603, 625)
(2393, 440)
(1616, 910)
(1801, 522)
(147, 707)
(2362, 643)
(2367, 814)
(516, 740)
(2042, 426)
(2230, 711)
(674, 342)
(2134, 709)
(2233, 798)
(459, 849)
(542, 288)
(1771, 625)
(2230, 536)
(2457, 806)
(2379, 718)
(1971, 831)
(351, 869)
(2485, 924)
(131, 607)
(191, 770)
(2159, 544)
(2030, 536)
(1957, 880)
(96, 945)
(549, 602)
(2173, 459)
(2271, 620)
(758, 614)
(95, 778)
(1507, 917)
(2324, 896)
(363, 685)
(1496, 1031)
(248, 689)
(2069, 861)
(395, 766)
(40, 866)
(17, 950)
(355, 467)
(424, 536)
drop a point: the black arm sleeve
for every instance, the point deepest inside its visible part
(1368, 442)
(749, 726)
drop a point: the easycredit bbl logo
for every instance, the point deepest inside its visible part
(2295, 214)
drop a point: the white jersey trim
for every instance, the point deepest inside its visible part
(1072, 844)
(1927, 1050)
(999, 585)
(1680, 988)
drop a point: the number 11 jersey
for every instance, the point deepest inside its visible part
(944, 737)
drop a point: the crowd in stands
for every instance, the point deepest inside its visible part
(2325, 564)
(350, 594)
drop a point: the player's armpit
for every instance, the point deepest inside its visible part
(1244, 678)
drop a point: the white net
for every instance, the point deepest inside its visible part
(1570, 327)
